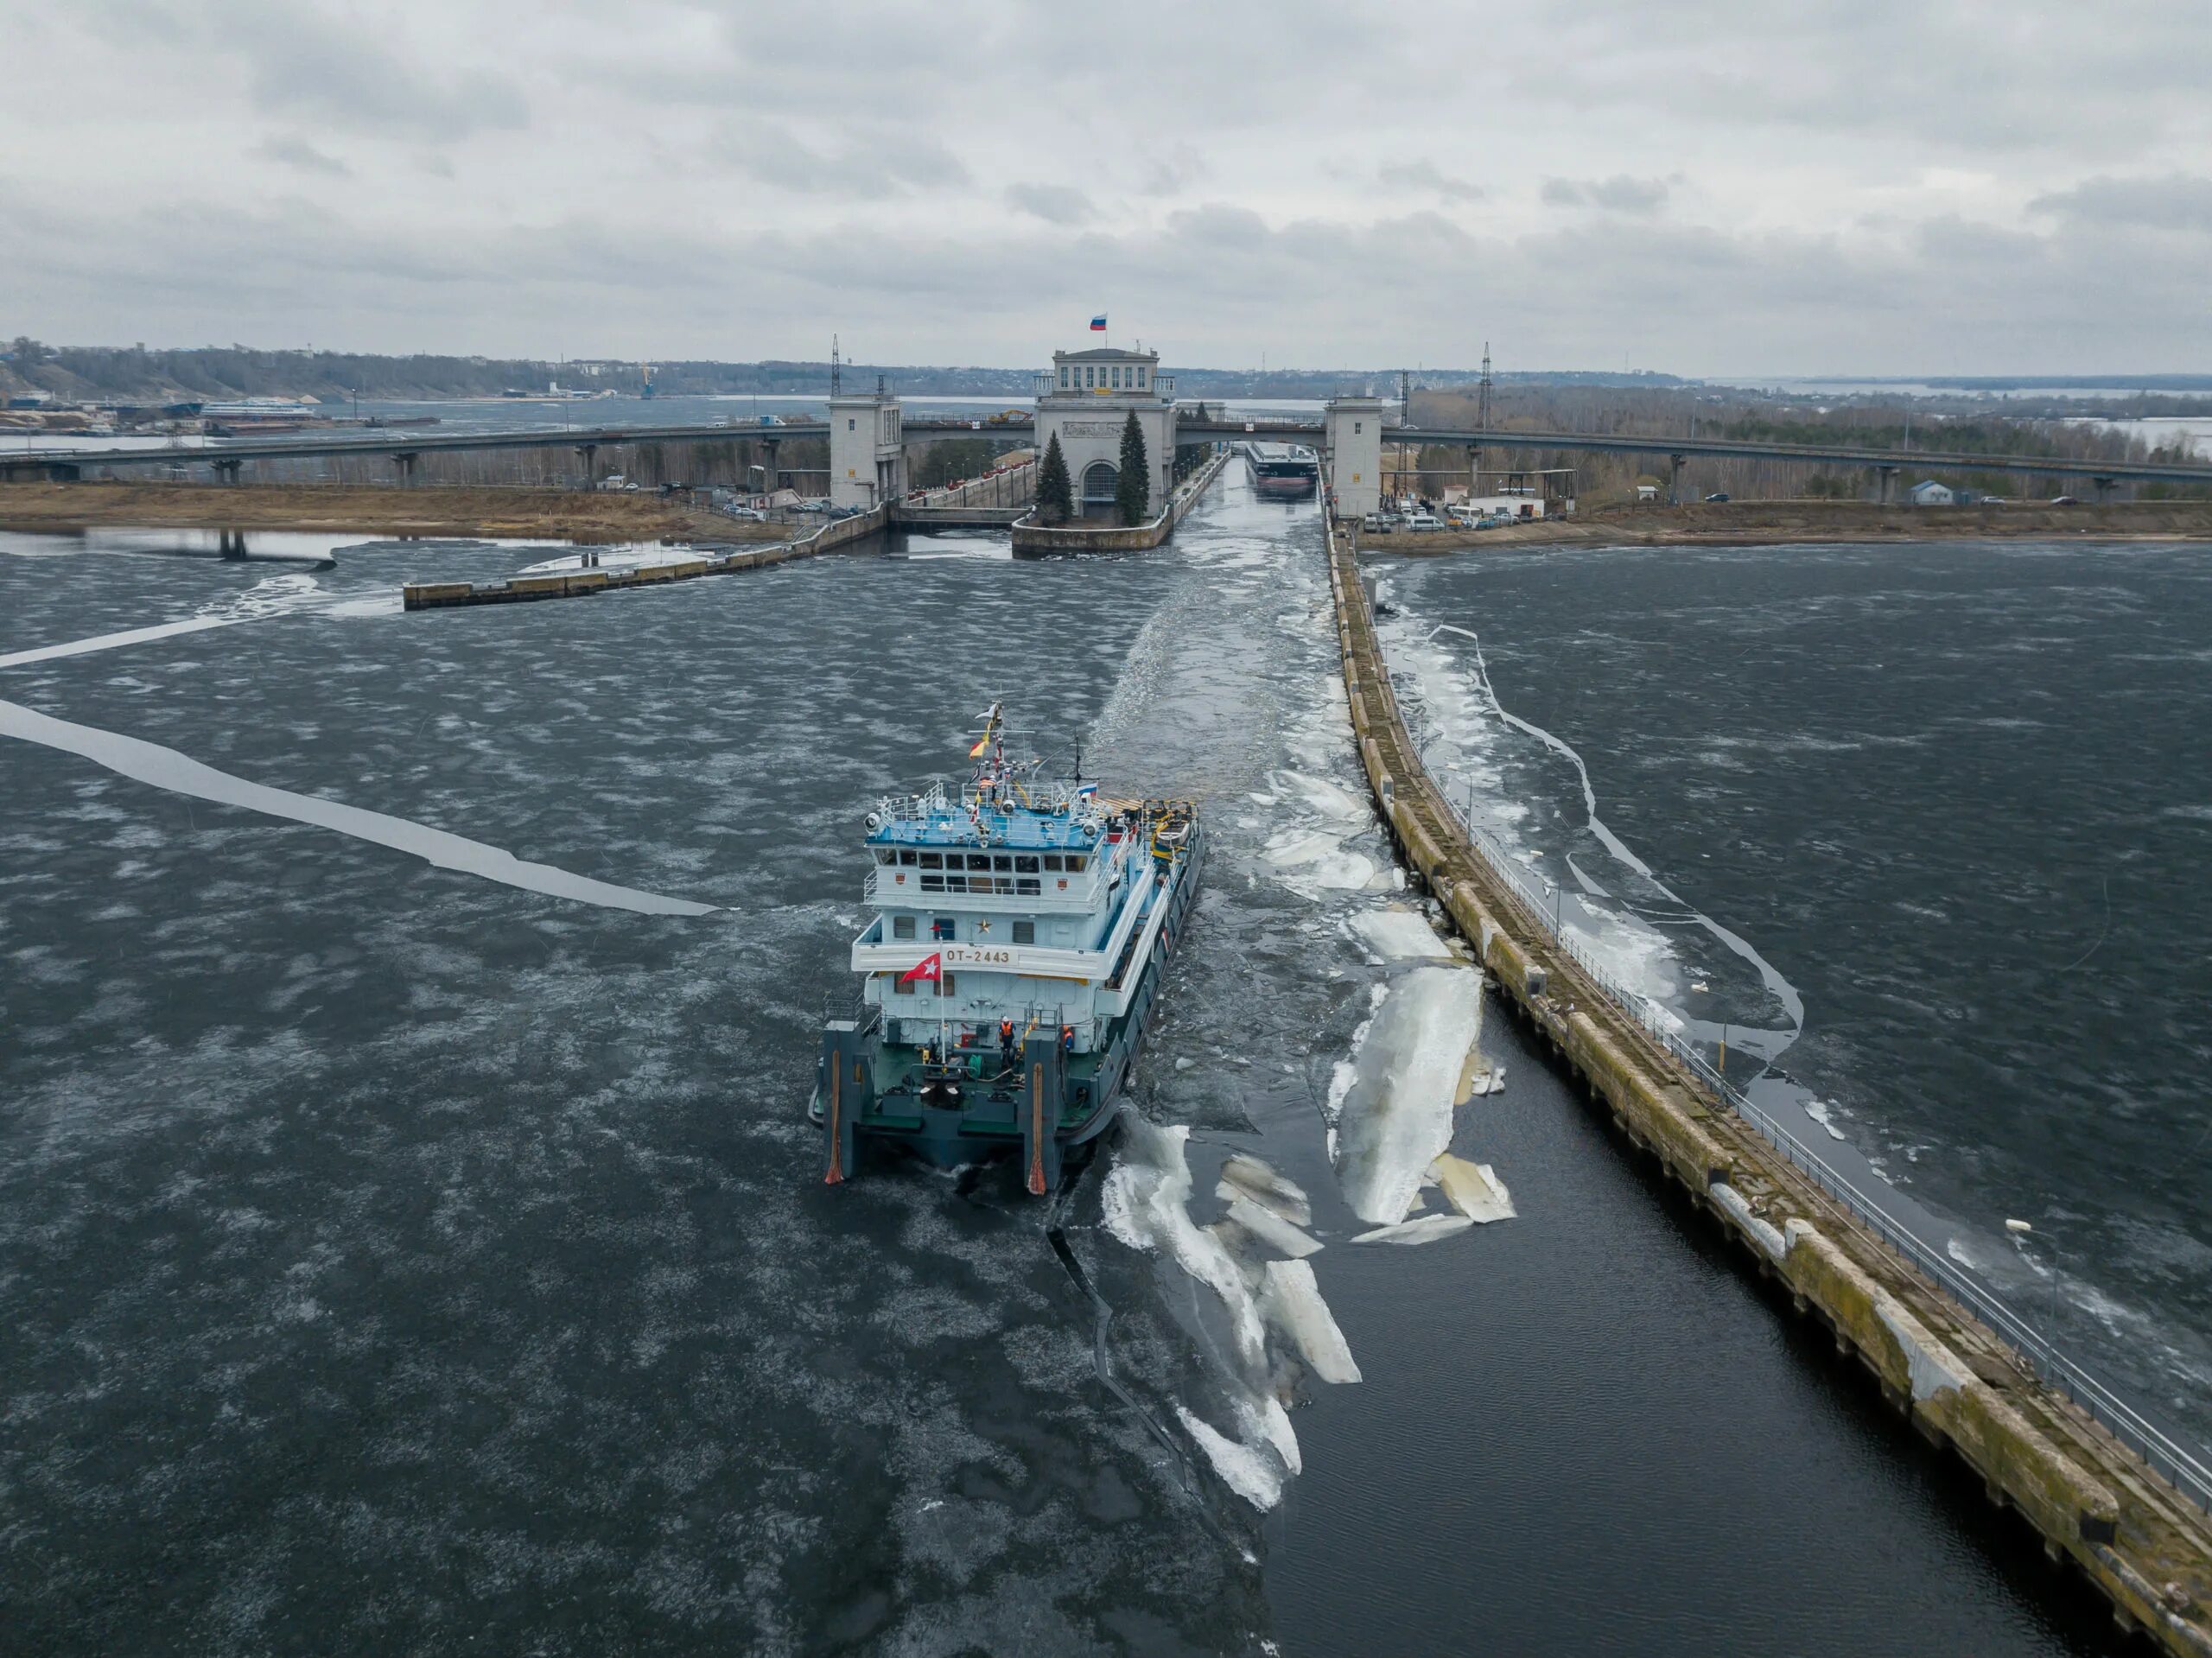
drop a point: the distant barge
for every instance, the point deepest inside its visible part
(1285, 471)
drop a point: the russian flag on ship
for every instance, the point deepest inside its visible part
(1098, 323)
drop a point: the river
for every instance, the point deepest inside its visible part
(408, 1234)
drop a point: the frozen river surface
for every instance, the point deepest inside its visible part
(408, 1238)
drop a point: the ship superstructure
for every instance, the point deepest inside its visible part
(1287, 471)
(1007, 977)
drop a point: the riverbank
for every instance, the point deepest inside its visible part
(566, 515)
(1751, 524)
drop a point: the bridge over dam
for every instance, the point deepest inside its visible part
(882, 472)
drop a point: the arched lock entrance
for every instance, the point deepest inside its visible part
(1100, 480)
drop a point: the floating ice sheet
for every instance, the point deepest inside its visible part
(1144, 1200)
(1395, 1118)
(1401, 935)
(164, 768)
(1473, 1188)
(1292, 1302)
(1265, 1187)
(1428, 1229)
(1269, 1228)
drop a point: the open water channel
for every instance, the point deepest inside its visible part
(408, 1235)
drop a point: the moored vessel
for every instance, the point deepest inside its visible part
(1022, 924)
(1285, 471)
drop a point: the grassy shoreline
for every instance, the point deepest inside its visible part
(1755, 523)
(566, 515)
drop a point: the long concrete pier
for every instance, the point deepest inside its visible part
(579, 584)
(2097, 1501)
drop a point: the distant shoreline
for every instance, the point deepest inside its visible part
(1760, 523)
(430, 510)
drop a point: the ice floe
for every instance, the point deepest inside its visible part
(1426, 1230)
(1401, 935)
(1267, 1189)
(1396, 1115)
(1473, 1188)
(1291, 1301)
(1245, 1472)
(1268, 1227)
(1145, 1198)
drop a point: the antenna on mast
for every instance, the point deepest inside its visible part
(1482, 418)
(836, 379)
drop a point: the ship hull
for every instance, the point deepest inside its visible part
(988, 1121)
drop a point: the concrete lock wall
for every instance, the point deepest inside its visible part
(1353, 431)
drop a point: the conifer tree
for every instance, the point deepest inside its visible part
(1055, 495)
(1133, 490)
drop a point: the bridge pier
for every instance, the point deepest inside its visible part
(2104, 487)
(589, 452)
(1886, 491)
(227, 471)
(1674, 480)
(404, 460)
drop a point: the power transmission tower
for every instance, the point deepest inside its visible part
(836, 378)
(1482, 413)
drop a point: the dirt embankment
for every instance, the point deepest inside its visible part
(1761, 522)
(566, 515)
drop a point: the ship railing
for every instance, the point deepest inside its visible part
(2187, 1466)
(867, 1017)
(992, 892)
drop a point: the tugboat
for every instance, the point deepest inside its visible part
(1022, 926)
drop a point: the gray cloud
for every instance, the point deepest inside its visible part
(1052, 203)
(2176, 202)
(1424, 175)
(1619, 193)
(337, 69)
(969, 182)
(773, 154)
(293, 150)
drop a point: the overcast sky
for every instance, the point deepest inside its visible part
(1722, 187)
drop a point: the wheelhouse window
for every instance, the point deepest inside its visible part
(902, 927)
(1075, 862)
(1052, 861)
(943, 927)
(1024, 932)
(979, 860)
(1025, 863)
(933, 861)
(906, 858)
(884, 855)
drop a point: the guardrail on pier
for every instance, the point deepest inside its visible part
(2185, 1466)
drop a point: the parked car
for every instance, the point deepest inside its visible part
(749, 514)
(2065, 501)
(1423, 521)
(817, 505)
(1717, 495)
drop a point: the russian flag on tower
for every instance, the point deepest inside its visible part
(1098, 323)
